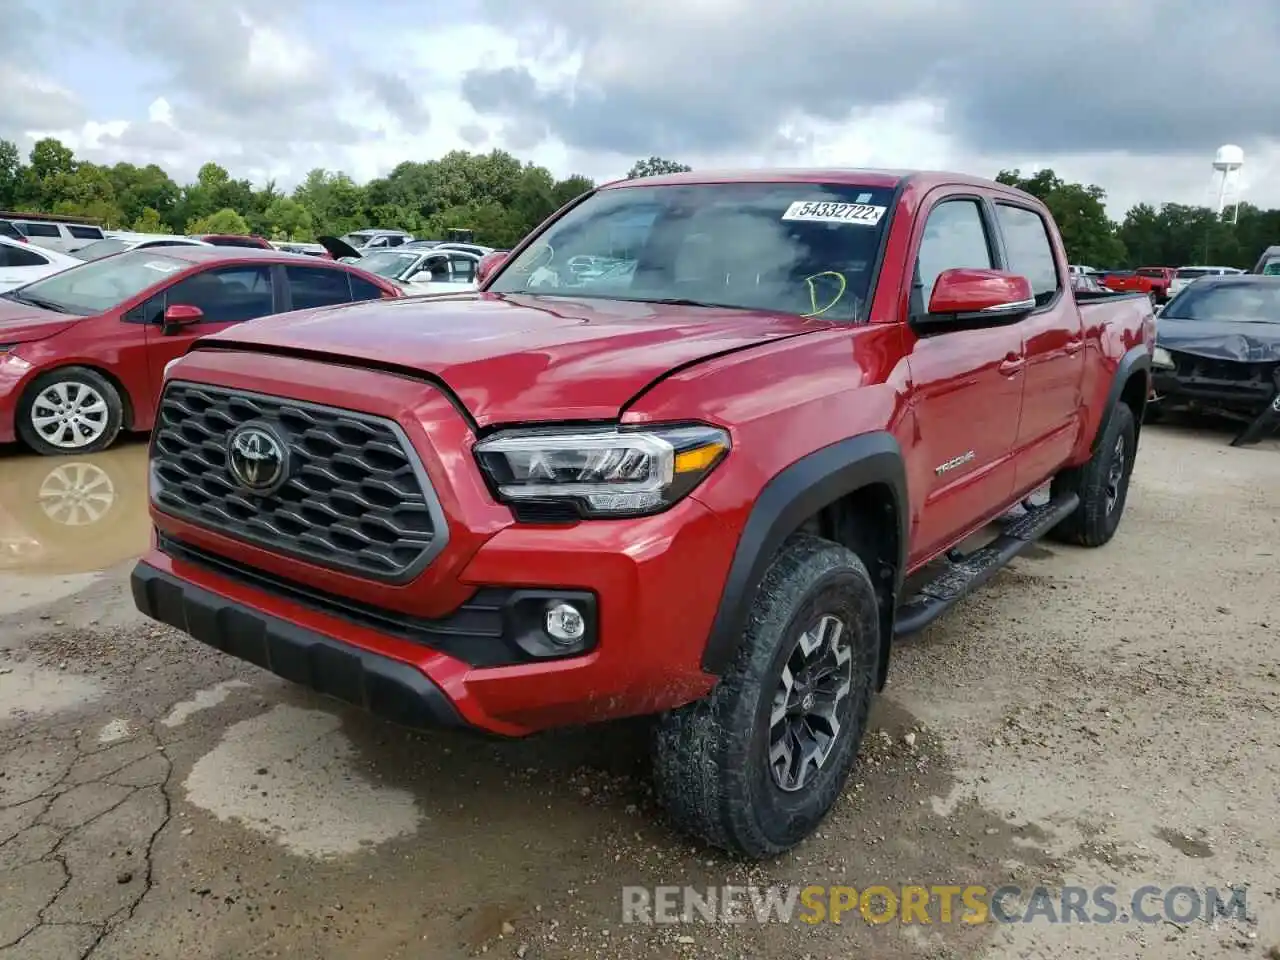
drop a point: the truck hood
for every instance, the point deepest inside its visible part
(521, 358)
(20, 323)
(1242, 341)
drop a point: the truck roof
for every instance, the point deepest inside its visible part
(870, 177)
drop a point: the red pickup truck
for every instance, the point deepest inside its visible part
(691, 483)
(1152, 282)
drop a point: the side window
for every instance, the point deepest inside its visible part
(226, 294)
(40, 229)
(463, 269)
(1026, 241)
(362, 289)
(85, 233)
(20, 257)
(394, 241)
(954, 237)
(317, 287)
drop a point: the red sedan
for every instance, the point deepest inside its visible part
(82, 352)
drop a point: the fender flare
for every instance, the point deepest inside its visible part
(787, 500)
(1134, 360)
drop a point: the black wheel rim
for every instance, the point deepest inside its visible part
(1115, 474)
(804, 724)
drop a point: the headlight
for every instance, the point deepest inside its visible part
(1161, 358)
(169, 366)
(608, 472)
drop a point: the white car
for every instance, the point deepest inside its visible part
(23, 263)
(424, 270)
(1186, 275)
(121, 241)
(60, 235)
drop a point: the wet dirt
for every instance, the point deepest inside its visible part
(1091, 717)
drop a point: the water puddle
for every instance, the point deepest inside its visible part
(28, 689)
(64, 517)
(289, 774)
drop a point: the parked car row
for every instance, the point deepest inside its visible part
(83, 349)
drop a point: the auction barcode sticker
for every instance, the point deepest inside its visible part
(859, 213)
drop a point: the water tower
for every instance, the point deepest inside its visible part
(1226, 174)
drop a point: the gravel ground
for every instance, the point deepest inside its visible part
(1091, 717)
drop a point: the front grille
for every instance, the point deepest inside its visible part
(1207, 368)
(356, 499)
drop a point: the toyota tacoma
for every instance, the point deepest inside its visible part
(689, 482)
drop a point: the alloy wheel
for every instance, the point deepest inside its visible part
(804, 724)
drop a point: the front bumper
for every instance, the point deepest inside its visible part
(657, 580)
(1254, 402)
(387, 688)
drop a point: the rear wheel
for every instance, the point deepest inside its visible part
(758, 764)
(1102, 484)
(70, 410)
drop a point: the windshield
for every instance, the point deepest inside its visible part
(797, 248)
(1272, 269)
(99, 285)
(1250, 301)
(101, 248)
(393, 266)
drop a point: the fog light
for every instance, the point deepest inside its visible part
(565, 624)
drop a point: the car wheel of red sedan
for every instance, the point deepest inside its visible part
(71, 410)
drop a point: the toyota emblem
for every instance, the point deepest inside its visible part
(257, 458)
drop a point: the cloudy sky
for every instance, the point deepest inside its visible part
(1132, 94)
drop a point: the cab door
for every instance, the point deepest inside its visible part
(226, 295)
(966, 392)
(1053, 336)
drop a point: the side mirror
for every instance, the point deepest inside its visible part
(180, 315)
(969, 295)
(489, 265)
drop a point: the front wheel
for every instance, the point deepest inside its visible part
(70, 410)
(1102, 484)
(757, 765)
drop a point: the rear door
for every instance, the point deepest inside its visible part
(1053, 342)
(228, 295)
(308, 287)
(967, 382)
(22, 263)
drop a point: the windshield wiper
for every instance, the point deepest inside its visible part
(683, 302)
(35, 302)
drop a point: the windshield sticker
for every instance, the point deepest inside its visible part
(161, 266)
(863, 198)
(856, 213)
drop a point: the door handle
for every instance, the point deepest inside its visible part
(1012, 363)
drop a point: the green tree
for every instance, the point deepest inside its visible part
(10, 174)
(655, 167)
(1087, 232)
(225, 221)
(149, 222)
(288, 219)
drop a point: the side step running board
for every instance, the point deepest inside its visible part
(959, 577)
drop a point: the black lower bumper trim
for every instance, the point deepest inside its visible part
(387, 688)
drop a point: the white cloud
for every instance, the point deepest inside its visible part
(273, 92)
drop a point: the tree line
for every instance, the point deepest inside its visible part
(502, 199)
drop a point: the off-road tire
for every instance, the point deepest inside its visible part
(711, 758)
(1094, 523)
(71, 375)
